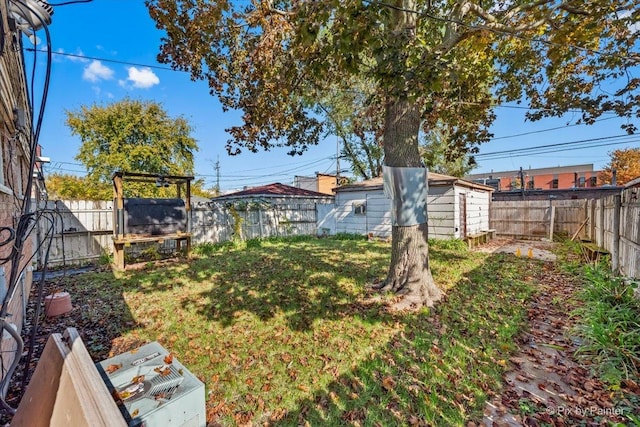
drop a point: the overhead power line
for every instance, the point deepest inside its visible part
(553, 148)
(548, 129)
(115, 61)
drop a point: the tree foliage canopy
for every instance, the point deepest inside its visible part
(275, 60)
(626, 163)
(131, 136)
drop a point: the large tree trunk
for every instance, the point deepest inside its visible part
(409, 273)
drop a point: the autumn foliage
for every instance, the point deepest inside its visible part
(626, 163)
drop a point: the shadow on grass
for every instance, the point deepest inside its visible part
(441, 368)
(303, 281)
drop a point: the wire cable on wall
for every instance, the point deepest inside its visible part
(25, 221)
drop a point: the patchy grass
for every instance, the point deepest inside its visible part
(608, 325)
(284, 331)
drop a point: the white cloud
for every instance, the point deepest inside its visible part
(142, 78)
(77, 56)
(96, 71)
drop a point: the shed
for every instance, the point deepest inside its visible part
(456, 208)
(268, 210)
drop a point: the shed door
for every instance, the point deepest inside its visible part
(463, 215)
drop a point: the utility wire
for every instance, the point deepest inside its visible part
(548, 129)
(531, 154)
(115, 61)
(561, 144)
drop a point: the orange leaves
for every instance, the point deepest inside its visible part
(388, 383)
(163, 370)
(168, 359)
(626, 162)
(113, 367)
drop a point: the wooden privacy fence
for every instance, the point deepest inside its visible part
(611, 222)
(615, 226)
(82, 231)
(538, 218)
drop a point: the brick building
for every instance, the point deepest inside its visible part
(561, 177)
(321, 183)
(16, 248)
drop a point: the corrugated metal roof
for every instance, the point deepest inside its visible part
(275, 189)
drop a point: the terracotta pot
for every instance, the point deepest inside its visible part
(57, 304)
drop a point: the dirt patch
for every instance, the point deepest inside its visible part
(546, 384)
(529, 248)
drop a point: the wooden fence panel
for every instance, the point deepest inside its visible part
(602, 212)
(82, 230)
(629, 249)
(532, 218)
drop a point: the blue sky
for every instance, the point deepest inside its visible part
(116, 43)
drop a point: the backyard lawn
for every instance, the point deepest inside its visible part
(285, 331)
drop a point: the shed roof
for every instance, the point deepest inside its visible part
(434, 180)
(633, 183)
(273, 190)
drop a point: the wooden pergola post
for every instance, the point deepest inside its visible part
(118, 222)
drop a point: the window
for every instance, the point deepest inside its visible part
(593, 181)
(360, 208)
(554, 183)
(581, 181)
(530, 184)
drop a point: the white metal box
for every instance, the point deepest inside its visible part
(152, 388)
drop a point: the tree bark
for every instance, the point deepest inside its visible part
(409, 273)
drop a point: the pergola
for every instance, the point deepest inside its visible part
(122, 238)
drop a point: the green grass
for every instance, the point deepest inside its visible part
(284, 331)
(609, 325)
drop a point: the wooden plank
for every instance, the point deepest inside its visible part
(66, 389)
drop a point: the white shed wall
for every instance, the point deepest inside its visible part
(377, 219)
(477, 210)
(441, 204)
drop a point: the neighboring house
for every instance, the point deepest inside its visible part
(269, 210)
(456, 208)
(15, 158)
(321, 183)
(275, 194)
(561, 177)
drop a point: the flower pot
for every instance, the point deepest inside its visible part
(57, 304)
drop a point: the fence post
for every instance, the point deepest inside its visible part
(552, 222)
(601, 204)
(592, 219)
(615, 247)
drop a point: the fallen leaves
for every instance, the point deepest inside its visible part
(545, 386)
(388, 383)
(112, 368)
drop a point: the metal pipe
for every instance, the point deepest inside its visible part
(4, 385)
